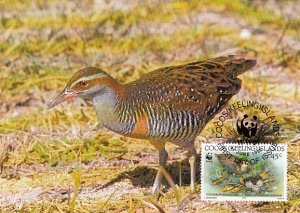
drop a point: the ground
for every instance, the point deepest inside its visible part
(61, 160)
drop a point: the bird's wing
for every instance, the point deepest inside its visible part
(203, 87)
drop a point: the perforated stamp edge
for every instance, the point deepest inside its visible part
(240, 198)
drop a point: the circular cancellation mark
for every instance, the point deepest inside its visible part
(247, 121)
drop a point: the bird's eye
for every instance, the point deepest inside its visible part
(83, 83)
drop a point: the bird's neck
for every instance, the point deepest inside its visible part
(106, 105)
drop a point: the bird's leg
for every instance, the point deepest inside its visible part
(192, 155)
(163, 157)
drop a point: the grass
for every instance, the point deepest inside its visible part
(58, 160)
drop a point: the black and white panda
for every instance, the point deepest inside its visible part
(247, 126)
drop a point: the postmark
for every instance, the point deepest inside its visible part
(247, 121)
(244, 172)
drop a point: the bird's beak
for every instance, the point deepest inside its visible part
(65, 95)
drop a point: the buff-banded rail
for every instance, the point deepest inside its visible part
(171, 104)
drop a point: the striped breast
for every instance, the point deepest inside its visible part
(174, 103)
(159, 121)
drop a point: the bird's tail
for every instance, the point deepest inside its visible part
(235, 66)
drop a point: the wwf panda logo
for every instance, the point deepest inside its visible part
(209, 156)
(247, 126)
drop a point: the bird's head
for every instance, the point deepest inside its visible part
(86, 83)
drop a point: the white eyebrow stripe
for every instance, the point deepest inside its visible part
(98, 75)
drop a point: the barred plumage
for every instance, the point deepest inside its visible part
(197, 90)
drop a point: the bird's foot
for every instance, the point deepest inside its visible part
(155, 191)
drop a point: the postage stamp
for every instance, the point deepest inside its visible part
(243, 172)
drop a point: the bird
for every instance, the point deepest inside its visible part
(233, 164)
(170, 104)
